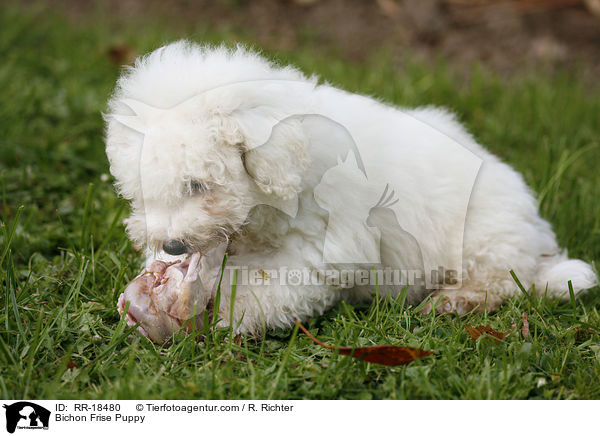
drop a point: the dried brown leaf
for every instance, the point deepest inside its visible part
(525, 328)
(389, 355)
(390, 8)
(477, 331)
(237, 339)
(121, 54)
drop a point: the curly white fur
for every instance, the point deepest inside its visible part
(205, 107)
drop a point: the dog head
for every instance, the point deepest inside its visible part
(189, 158)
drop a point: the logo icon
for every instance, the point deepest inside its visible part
(26, 415)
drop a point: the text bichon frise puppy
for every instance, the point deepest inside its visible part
(315, 194)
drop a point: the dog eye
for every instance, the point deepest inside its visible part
(197, 187)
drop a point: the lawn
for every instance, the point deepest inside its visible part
(65, 258)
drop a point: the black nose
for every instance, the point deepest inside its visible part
(175, 247)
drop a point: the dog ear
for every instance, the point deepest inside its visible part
(278, 165)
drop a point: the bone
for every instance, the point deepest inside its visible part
(165, 297)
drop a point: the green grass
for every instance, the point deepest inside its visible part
(64, 256)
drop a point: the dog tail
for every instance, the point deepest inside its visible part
(554, 273)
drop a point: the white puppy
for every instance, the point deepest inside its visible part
(314, 192)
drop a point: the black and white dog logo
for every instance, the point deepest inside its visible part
(26, 415)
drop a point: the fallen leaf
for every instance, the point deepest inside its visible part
(390, 8)
(389, 355)
(121, 54)
(237, 339)
(525, 328)
(305, 2)
(477, 331)
(593, 6)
